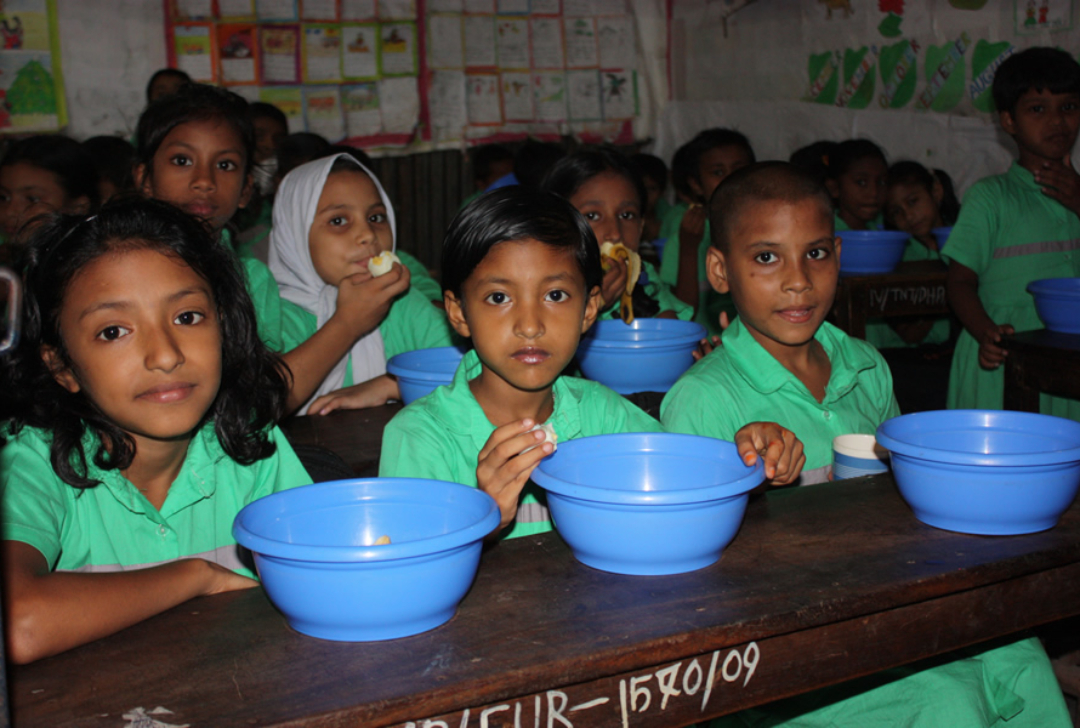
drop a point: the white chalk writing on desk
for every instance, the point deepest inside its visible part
(685, 681)
(906, 296)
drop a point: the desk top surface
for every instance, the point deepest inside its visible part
(1042, 340)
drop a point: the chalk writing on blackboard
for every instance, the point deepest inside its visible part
(909, 296)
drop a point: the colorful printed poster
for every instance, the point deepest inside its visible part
(581, 51)
(360, 51)
(236, 51)
(29, 92)
(898, 65)
(549, 96)
(985, 59)
(444, 42)
(280, 53)
(944, 75)
(396, 10)
(322, 112)
(824, 71)
(361, 104)
(480, 7)
(547, 45)
(480, 41)
(399, 101)
(194, 50)
(618, 94)
(276, 10)
(397, 50)
(517, 96)
(583, 96)
(358, 10)
(236, 10)
(615, 36)
(482, 99)
(322, 11)
(446, 103)
(322, 54)
(193, 9)
(512, 38)
(291, 103)
(24, 26)
(512, 7)
(545, 7)
(1037, 16)
(860, 73)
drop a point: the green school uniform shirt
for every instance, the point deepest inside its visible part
(440, 436)
(412, 323)
(265, 295)
(838, 224)
(420, 279)
(883, 336)
(658, 291)
(710, 303)
(1010, 234)
(740, 382)
(113, 527)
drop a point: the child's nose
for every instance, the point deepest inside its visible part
(529, 323)
(607, 231)
(798, 278)
(203, 177)
(163, 351)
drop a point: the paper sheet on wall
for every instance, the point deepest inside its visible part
(480, 7)
(446, 101)
(482, 98)
(517, 96)
(324, 11)
(944, 69)
(618, 94)
(577, 8)
(545, 7)
(322, 111)
(512, 38)
(445, 6)
(985, 59)
(237, 9)
(397, 10)
(291, 102)
(280, 55)
(236, 51)
(193, 53)
(583, 89)
(444, 42)
(615, 36)
(194, 9)
(512, 7)
(399, 99)
(610, 7)
(361, 104)
(397, 50)
(547, 45)
(283, 10)
(360, 51)
(479, 41)
(358, 10)
(549, 96)
(28, 85)
(322, 54)
(581, 49)
(1033, 17)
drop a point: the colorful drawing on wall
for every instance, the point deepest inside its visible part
(985, 59)
(899, 71)
(824, 77)
(894, 18)
(859, 77)
(1036, 16)
(31, 87)
(944, 75)
(841, 5)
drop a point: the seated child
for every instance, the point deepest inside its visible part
(775, 250)
(608, 191)
(814, 158)
(1016, 227)
(522, 275)
(113, 158)
(708, 158)
(331, 217)
(856, 182)
(142, 406)
(654, 173)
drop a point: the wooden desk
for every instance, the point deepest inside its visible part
(914, 289)
(1040, 362)
(355, 435)
(822, 584)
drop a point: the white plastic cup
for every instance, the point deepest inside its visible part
(858, 455)
(10, 309)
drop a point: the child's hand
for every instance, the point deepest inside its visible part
(692, 227)
(705, 347)
(614, 283)
(502, 470)
(1061, 182)
(990, 354)
(372, 393)
(363, 301)
(220, 580)
(778, 446)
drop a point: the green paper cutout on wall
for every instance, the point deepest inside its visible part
(944, 70)
(824, 78)
(890, 26)
(985, 59)
(859, 78)
(899, 73)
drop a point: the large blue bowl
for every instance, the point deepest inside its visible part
(1057, 301)
(419, 372)
(942, 234)
(645, 356)
(985, 471)
(315, 553)
(647, 503)
(869, 252)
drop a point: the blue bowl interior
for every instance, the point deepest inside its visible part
(643, 334)
(870, 238)
(1056, 288)
(942, 234)
(434, 365)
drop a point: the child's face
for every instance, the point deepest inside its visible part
(200, 168)
(860, 191)
(653, 190)
(27, 190)
(611, 205)
(141, 330)
(525, 307)
(913, 208)
(350, 227)
(268, 135)
(714, 166)
(781, 268)
(1044, 124)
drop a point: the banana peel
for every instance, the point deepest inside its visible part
(617, 251)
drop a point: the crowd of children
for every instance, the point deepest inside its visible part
(185, 293)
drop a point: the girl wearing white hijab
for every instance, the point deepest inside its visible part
(331, 216)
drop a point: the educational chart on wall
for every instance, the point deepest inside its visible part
(31, 83)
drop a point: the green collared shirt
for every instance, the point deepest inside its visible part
(710, 303)
(740, 382)
(440, 436)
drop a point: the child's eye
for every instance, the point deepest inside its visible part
(557, 296)
(228, 165)
(629, 215)
(189, 318)
(591, 216)
(817, 253)
(861, 182)
(765, 257)
(377, 218)
(1070, 106)
(338, 221)
(498, 298)
(180, 160)
(112, 333)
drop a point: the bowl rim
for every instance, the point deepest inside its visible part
(880, 236)
(951, 457)
(1055, 286)
(695, 332)
(596, 494)
(275, 548)
(399, 366)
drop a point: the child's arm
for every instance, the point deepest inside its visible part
(778, 447)
(691, 231)
(47, 612)
(1061, 182)
(362, 304)
(962, 286)
(372, 393)
(502, 469)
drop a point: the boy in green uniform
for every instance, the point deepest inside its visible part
(522, 277)
(775, 250)
(1017, 227)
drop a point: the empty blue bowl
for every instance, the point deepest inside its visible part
(419, 372)
(868, 252)
(1057, 301)
(942, 234)
(647, 503)
(985, 471)
(314, 551)
(645, 356)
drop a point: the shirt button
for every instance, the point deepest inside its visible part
(163, 530)
(827, 415)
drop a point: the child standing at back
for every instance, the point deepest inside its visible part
(143, 410)
(1016, 227)
(856, 182)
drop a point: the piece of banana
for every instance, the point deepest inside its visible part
(618, 251)
(382, 263)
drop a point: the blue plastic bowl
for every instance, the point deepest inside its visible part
(315, 553)
(867, 252)
(646, 356)
(985, 471)
(420, 372)
(942, 234)
(1057, 301)
(647, 503)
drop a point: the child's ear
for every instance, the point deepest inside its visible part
(1008, 123)
(592, 308)
(60, 371)
(833, 188)
(716, 270)
(80, 205)
(937, 191)
(836, 250)
(141, 173)
(249, 190)
(455, 314)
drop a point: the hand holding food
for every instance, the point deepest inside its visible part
(618, 251)
(382, 263)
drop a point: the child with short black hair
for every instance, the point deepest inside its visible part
(654, 173)
(1016, 227)
(165, 82)
(45, 174)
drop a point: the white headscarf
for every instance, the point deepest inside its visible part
(295, 206)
